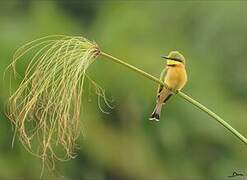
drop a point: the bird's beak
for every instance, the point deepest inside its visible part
(165, 57)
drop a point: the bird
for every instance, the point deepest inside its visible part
(174, 76)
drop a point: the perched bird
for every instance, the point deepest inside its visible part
(174, 76)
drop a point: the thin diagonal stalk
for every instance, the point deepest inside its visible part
(143, 73)
(181, 94)
(212, 114)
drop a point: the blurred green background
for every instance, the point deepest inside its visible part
(186, 143)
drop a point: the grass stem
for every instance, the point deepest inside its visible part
(181, 94)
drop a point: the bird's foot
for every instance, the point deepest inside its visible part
(176, 91)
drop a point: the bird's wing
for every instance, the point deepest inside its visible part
(162, 78)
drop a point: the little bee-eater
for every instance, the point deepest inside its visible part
(174, 76)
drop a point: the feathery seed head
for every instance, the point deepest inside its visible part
(46, 107)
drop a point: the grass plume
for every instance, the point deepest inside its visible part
(47, 104)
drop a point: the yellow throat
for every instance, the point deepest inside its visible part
(172, 62)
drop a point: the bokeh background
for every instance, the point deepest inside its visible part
(186, 143)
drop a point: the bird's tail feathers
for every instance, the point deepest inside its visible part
(157, 110)
(156, 113)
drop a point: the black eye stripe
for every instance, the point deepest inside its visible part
(175, 59)
(172, 65)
